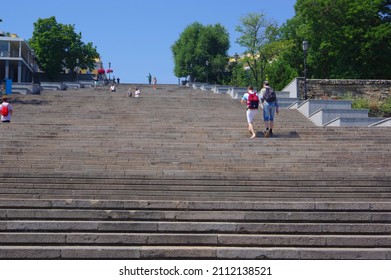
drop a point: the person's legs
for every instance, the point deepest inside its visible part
(250, 119)
(271, 124)
(271, 119)
(251, 129)
(268, 118)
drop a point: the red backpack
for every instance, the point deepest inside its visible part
(252, 101)
(4, 110)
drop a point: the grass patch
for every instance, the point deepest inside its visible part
(377, 108)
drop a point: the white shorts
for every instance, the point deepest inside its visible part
(251, 114)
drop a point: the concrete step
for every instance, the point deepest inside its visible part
(336, 113)
(286, 102)
(166, 252)
(198, 239)
(187, 215)
(195, 227)
(383, 123)
(323, 116)
(308, 107)
(353, 121)
(363, 205)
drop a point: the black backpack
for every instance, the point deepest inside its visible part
(269, 95)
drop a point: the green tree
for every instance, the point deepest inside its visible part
(258, 36)
(348, 38)
(280, 73)
(201, 51)
(58, 47)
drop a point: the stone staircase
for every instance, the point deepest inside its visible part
(174, 175)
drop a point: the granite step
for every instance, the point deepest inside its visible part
(196, 252)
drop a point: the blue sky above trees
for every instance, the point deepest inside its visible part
(136, 36)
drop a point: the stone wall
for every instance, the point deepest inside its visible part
(378, 89)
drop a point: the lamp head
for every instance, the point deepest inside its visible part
(305, 45)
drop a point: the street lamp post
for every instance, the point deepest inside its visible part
(236, 57)
(109, 70)
(305, 48)
(191, 72)
(33, 67)
(207, 70)
(77, 70)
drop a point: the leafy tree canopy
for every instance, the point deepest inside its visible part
(58, 47)
(201, 51)
(348, 38)
(259, 37)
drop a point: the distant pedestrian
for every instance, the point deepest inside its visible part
(251, 99)
(112, 88)
(149, 78)
(137, 92)
(129, 92)
(95, 81)
(6, 110)
(270, 107)
(154, 81)
(117, 80)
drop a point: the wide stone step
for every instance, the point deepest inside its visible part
(195, 227)
(161, 215)
(277, 187)
(206, 195)
(196, 252)
(265, 205)
(180, 239)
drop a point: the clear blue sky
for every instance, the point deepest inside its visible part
(136, 35)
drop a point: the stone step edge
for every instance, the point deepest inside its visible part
(190, 252)
(376, 228)
(311, 204)
(195, 216)
(187, 239)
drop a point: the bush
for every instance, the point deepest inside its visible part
(377, 108)
(386, 108)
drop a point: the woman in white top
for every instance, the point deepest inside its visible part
(137, 92)
(6, 110)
